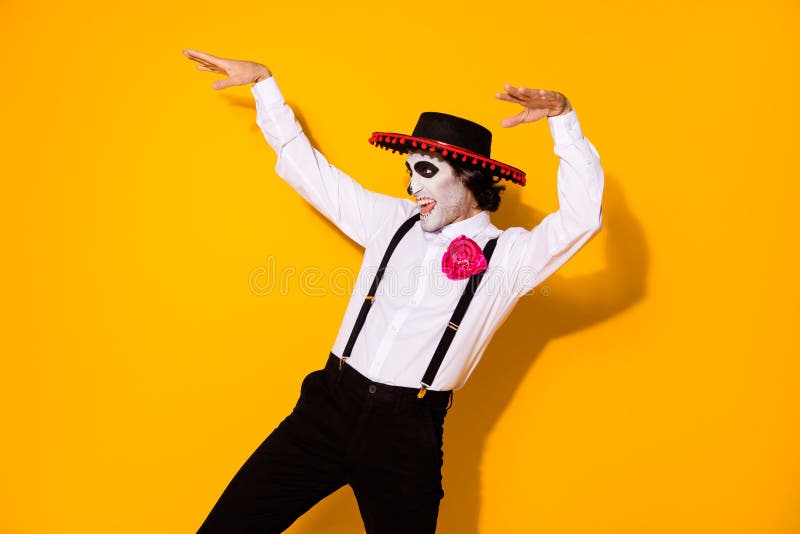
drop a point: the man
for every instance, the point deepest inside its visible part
(373, 416)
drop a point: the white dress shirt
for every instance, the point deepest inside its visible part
(415, 299)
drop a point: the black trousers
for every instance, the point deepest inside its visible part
(382, 440)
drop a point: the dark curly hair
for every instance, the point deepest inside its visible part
(483, 186)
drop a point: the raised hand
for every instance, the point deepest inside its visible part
(538, 103)
(238, 72)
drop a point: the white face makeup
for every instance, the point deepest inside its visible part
(442, 197)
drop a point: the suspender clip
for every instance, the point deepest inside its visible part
(341, 362)
(422, 391)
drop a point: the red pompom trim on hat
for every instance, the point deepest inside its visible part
(507, 172)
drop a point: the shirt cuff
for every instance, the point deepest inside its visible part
(565, 129)
(268, 92)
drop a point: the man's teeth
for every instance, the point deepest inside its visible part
(424, 212)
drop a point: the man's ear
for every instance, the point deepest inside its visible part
(475, 203)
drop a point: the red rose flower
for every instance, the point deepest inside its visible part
(463, 259)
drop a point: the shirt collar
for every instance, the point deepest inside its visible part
(470, 227)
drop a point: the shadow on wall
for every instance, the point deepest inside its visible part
(573, 304)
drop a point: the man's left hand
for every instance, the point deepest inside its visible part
(538, 103)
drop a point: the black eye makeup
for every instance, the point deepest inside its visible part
(426, 169)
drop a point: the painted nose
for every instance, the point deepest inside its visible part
(412, 188)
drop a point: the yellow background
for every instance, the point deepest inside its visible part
(649, 386)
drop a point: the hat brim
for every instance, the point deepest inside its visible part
(403, 143)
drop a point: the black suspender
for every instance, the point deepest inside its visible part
(455, 319)
(365, 307)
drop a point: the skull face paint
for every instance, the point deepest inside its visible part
(442, 196)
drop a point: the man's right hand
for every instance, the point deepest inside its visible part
(238, 72)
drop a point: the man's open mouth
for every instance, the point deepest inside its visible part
(426, 205)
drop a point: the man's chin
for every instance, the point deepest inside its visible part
(431, 226)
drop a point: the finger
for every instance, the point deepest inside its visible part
(533, 115)
(520, 94)
(508, 98)
(542, 98)
(223, 84)
(193, 55)
(209, 69)
(517, 92)
(513, 121)
(221, 64)
(528, 91)
(528, 95)
(203, 62)
(197, 55)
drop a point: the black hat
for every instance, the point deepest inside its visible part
(465, 142)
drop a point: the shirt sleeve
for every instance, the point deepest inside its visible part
(538, 253)
(356, 211)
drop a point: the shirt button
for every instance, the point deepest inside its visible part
(372, 388)
(414, 302)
